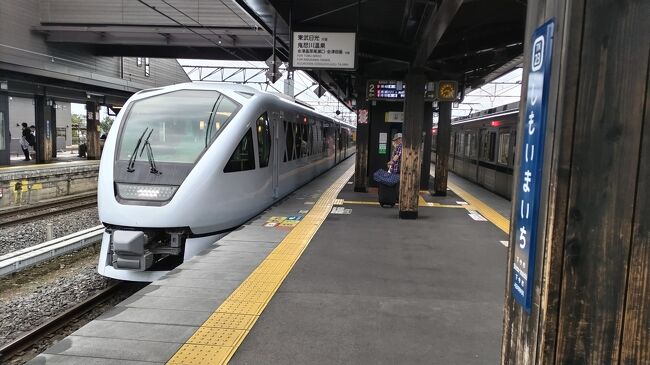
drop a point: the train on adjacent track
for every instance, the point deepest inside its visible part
(482, 148)
(187, 162)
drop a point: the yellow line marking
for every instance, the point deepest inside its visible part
(421, 201)
(475, 204)
(422, 204)
(47, 165)
(360, 202)
(217, 339)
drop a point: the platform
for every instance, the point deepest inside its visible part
(325, 276)
(31, 183)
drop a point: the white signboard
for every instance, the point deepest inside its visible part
(314, 50)
(394, 117)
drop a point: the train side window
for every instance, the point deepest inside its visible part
(452, 144)
(243, 158)
(289, 131)
(488, 141)
(263, 139)
(504, 148)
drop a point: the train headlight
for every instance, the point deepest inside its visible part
(145, 192)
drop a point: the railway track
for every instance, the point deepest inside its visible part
(36, 211)
(73, 316)
(30, 256)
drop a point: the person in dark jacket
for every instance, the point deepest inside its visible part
(25, 140)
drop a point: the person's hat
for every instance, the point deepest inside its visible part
(397, 135)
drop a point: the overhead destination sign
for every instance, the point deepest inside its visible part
(394, 90)
(323, 50)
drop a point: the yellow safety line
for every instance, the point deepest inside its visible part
(422, 203)
(47, 165)
(475, 204)
(360, 202)
(217, 339)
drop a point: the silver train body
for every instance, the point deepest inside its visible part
(185, 163)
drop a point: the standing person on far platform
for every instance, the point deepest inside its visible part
(396, 161)
(24, 140)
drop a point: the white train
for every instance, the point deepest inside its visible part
(185, 163)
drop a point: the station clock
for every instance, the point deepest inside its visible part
(447, 90)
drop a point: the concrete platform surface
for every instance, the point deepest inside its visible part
(150, 326)
(364, 288)
(373, 289)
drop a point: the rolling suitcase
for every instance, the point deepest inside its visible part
(388, 195)
(388, 187)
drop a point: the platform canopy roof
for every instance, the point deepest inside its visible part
(471, 41)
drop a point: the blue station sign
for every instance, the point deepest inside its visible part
(527, 198)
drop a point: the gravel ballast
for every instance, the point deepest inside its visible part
(24, 306)
(21, 235)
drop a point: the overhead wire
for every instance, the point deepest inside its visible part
(204, 27)
(193, 31)
(244, 20)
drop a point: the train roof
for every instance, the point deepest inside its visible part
(508, 109)
(237, 92)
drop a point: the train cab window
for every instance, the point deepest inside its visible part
(179, 125)
(263, 139)
(223, 110)
(243, 158)
(504, 148)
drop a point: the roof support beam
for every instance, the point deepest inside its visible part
(434, 29)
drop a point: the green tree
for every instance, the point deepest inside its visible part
(106, 124)
(76, 119)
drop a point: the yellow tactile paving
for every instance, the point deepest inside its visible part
(221, 334)
(190, 354)
(236, 307)
(475, 204)
(230, 321)
(212, 336)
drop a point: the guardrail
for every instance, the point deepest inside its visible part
(21, 259)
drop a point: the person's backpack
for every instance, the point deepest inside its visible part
(31, 139)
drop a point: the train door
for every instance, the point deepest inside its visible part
(337, 138)
(276, 121)
(471, 151)
(480, 173)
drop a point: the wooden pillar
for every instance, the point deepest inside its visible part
(5, 138)
(53, 128)
(411, 145)
(592, 268)
(363, 133)
(43, 121)
(361, 163)
(442, 148)
(427, 124)
(92, 130)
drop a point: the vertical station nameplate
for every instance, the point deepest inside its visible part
(527, 198)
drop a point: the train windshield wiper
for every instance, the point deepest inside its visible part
(152, 162)
(134, 154)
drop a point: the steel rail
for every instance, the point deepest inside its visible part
(34, 336)
(21, 259)
(35, 211)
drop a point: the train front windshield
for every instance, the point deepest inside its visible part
(175, 127)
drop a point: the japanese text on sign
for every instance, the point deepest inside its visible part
(323, 50)
(528, 191)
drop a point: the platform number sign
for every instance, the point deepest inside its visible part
(527, 199)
